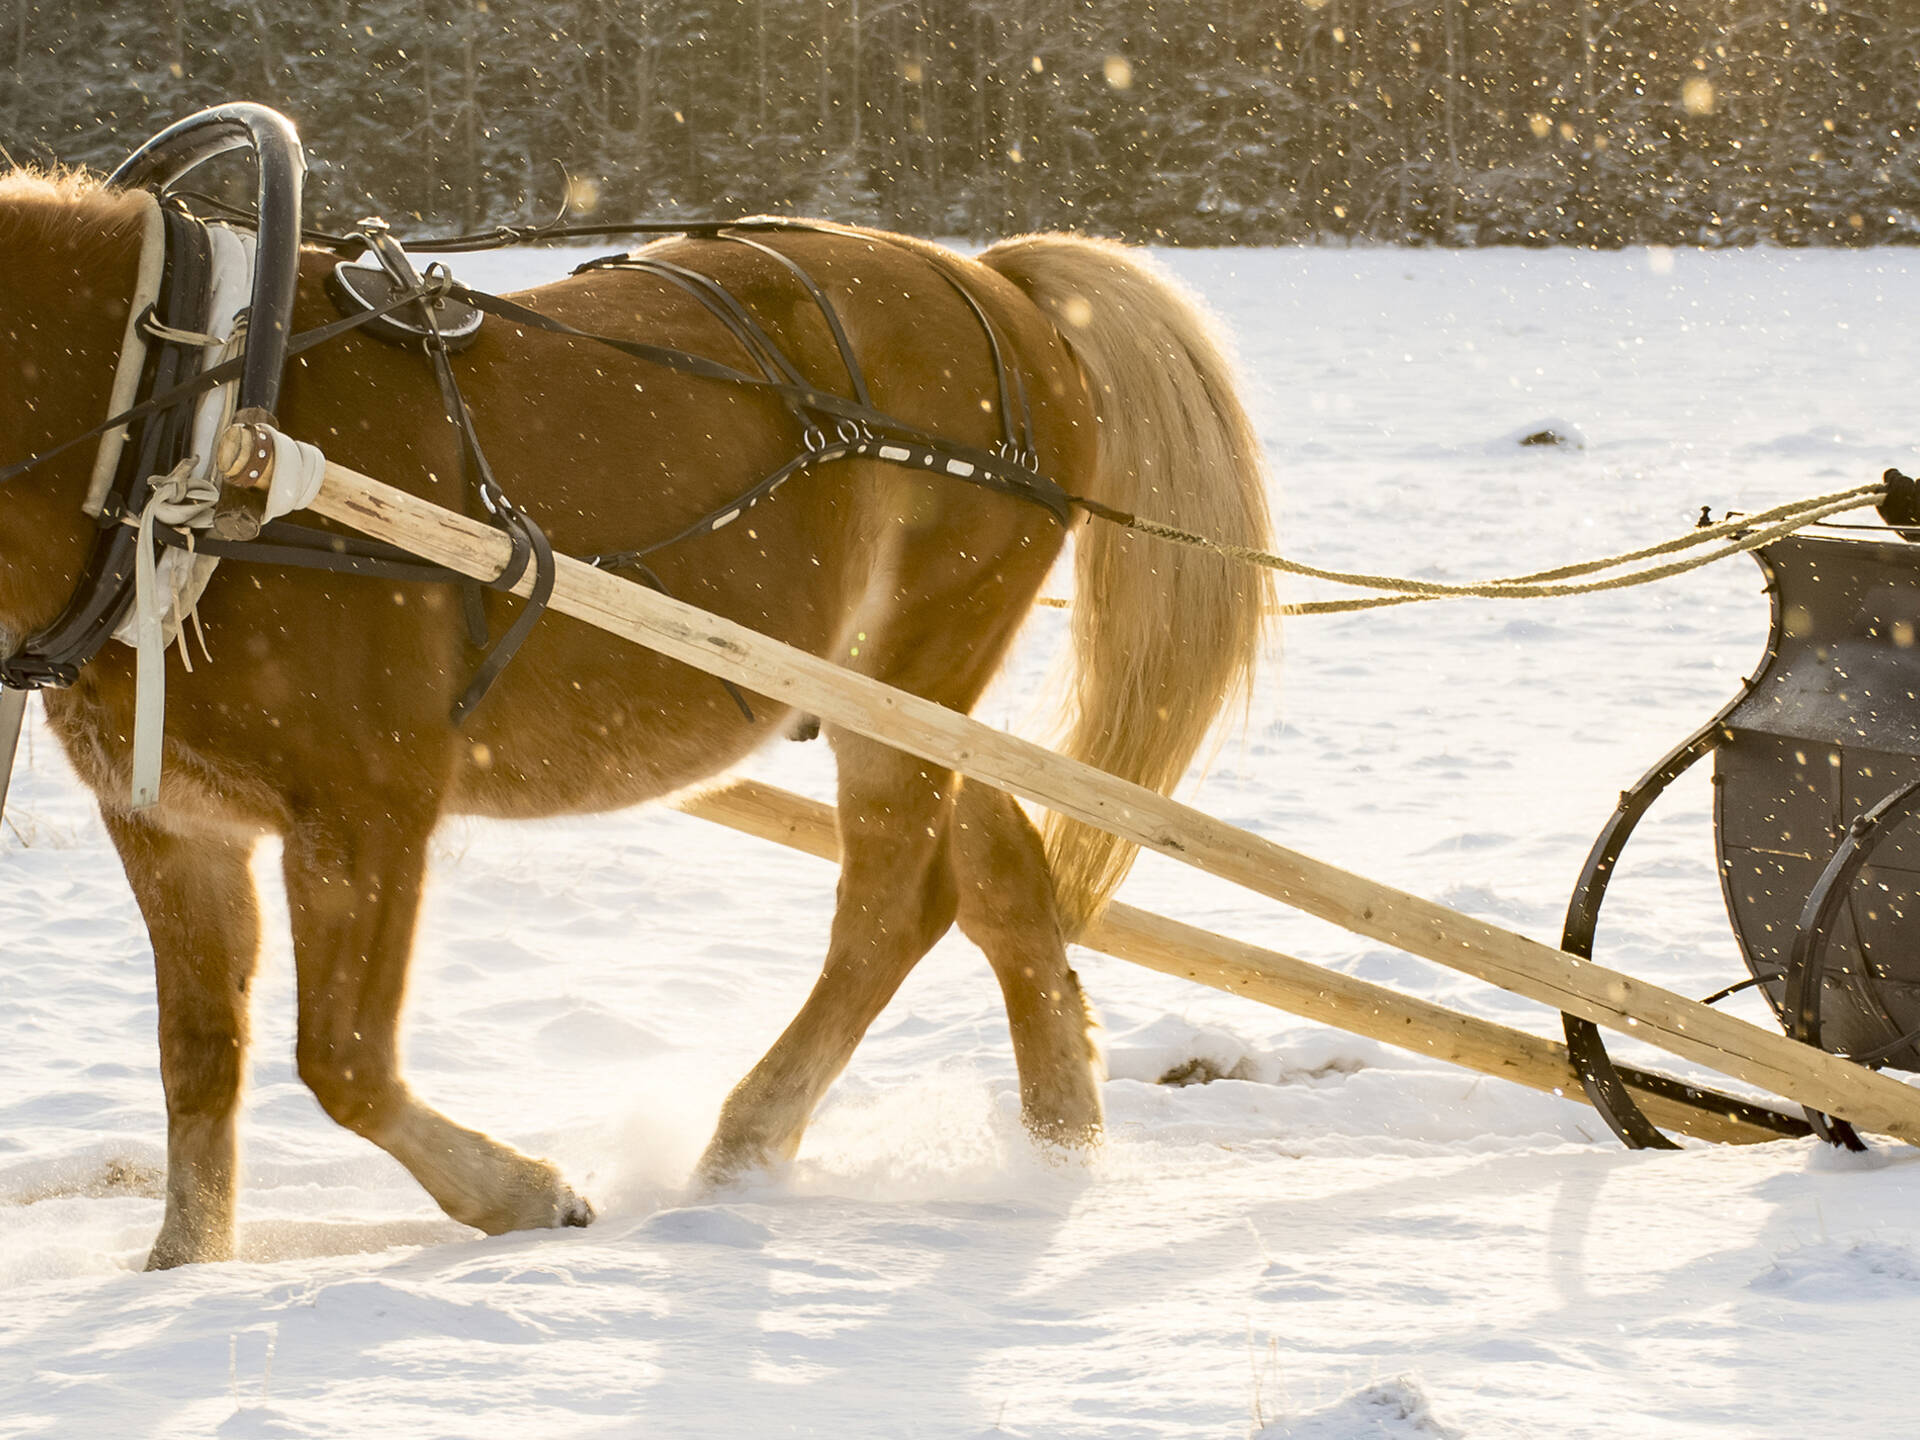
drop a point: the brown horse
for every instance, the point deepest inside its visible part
(324, 718)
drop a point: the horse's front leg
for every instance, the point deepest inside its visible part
(197, 896)
(353, 888)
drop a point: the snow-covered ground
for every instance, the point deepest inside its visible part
(1350, 1242)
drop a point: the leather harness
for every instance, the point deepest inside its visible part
(439, 316)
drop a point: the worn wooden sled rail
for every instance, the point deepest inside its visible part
(683, 632)
(1284, 982)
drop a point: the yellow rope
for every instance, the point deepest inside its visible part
(1749, 532)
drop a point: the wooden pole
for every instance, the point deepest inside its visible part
(13, 718)
(1296, 986)
(683, 632)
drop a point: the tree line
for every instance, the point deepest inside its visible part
(1453, 122)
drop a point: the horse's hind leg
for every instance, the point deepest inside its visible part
(353, 887)
(1005, 900)
(895, 899)
(197, 897)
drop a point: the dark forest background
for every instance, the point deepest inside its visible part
(1455, 122)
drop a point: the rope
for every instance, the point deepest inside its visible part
(1749, 532)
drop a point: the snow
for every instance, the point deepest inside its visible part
(1332, 1240)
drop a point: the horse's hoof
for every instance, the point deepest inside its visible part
(734, 1166)
(1063, 1141)
(169, 1252)
(718, 1170)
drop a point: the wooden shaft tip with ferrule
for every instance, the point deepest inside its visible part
(244, 456)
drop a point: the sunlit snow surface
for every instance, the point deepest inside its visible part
(1353, 1242)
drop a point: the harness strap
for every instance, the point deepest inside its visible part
(1007, 436)
(1018, 442)
(207, 379)
(1029, 453)
(995, 472)
(938, 459)
(475, 475)
(726, 514)
(528, 536)
(827, 311)
(525, 533)
(772, 360)
(175, 498)
(163, 505)
(303, 547)
(104, 591)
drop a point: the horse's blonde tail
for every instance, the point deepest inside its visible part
(1164, 636)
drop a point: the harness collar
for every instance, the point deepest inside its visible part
(119, 486)
(54, 655)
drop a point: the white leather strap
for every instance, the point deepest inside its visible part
(133, 353)
(178, 498)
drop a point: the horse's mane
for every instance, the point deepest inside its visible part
(65, 209)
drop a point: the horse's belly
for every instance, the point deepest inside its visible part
(607, 764)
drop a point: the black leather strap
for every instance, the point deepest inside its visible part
(994, 472)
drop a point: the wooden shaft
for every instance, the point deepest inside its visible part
(919, 727)
(13, 718)
(1296, 986)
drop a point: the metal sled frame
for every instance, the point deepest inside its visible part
(1817, 774)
